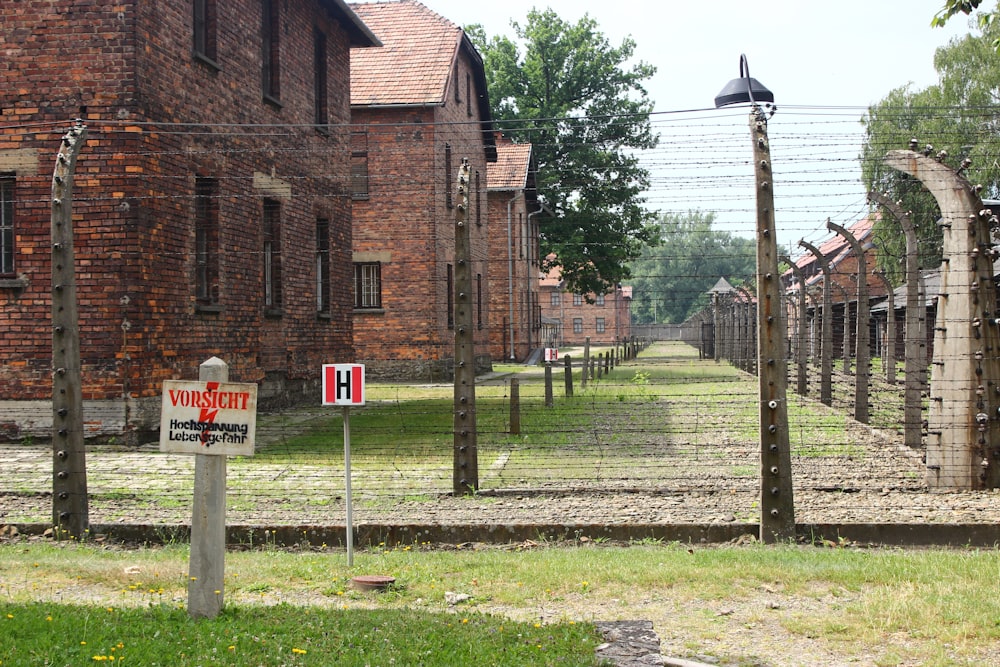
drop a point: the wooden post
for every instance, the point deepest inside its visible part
(862, 347)
(963, 444)
(465, 475)
(586, 363)
(515, 407)
(826, 335)
(206, 570)
(548, 384)
(70, 513)
(569, 374)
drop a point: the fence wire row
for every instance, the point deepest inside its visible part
(663, 438)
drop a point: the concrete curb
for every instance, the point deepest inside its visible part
(944, 535)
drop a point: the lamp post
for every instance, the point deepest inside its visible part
(777, 520)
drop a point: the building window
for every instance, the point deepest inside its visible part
(206, 240)
(578, 325)
(577, 299)
(458, 93)
(599, 301)
(359, 164)
(555, 299)
(270, 13)
(205, 30)
(320, 76)
(272, 254)
(323, 266)
(448, 185)
(367, 285)
(479, 300)
(450, 287)
(600, 325)
(7, 227)
(468, 94)
(479, 201)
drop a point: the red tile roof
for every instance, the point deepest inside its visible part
(415, 62)
(510, 171)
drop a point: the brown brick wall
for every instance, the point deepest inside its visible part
(615, 313)
(513, 284)
(130, 65)
(406, 215)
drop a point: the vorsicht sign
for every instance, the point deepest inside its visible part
(199, 417)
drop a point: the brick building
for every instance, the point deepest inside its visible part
(211, 205)
(419, 107)
(570, 319)
(514, 210)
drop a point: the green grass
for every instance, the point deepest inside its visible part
(43, 633)
(529, 606)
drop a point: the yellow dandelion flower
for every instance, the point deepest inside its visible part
(300, 651)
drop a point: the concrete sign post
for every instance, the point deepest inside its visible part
(211, 418)
(344, 385)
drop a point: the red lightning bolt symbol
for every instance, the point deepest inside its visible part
(207, 415)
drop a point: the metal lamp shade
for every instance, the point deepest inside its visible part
(744, 90)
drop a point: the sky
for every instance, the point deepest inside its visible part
(825, 62)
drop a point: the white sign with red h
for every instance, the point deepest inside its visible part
(343, 384)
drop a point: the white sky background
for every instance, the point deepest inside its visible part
(824, 60)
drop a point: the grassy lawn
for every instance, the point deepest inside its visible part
(529, 605)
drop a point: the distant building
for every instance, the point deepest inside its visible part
(419, 107)
(515, 312)
(606, 319)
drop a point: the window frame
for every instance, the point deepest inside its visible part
(320, 80)
(368, 286)
(322, 266)
(272, 256)
(600, 325)
(271, 50)
(578, 325)
(8, 230)
(359, 165)
(449, 200)
(206, 240)
(204, 33)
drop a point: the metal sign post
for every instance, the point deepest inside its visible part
(344, 385)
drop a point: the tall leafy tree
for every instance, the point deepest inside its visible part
(578, 100)
(958, 116)
(953, 7)
(671, 280)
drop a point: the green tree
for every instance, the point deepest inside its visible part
(958, 116)
(954, 7)
(564, 88)
(671, 280)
